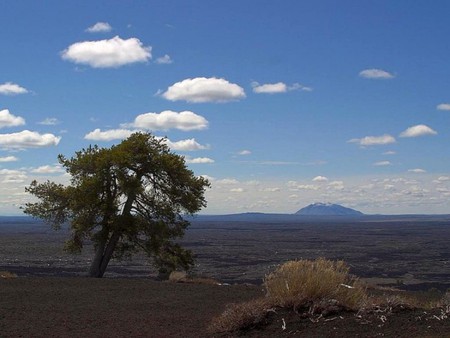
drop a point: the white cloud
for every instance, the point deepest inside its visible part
(49, 121)
(27, 139)
(8, 159)
(10, 88)
(336, 185)
(443, 106)
(185, 120)
(199, 160)
(203, 89)
(375, 74)
(418, 130)
(100, 27)
(114, 52)
(294, 185)
(374, 140)
(320, 179)
(9, 120)
(186, 145)
(382, 163)
(271, 189)
(108, 135)
(48, 169)
(279, 87)
(164, 60)
(238, 190)
(417, 171)
(443, 179)
(12, 176)
(269, 88)
(227, 181)
(390, 152)
(244, 152)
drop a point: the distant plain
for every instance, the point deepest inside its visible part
(404, 251)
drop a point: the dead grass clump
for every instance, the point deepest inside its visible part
(242, 316)
(305, 282)
(183, 277)
(7, 274)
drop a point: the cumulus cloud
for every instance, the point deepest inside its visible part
(199, 160)
(373, 140)
(279, 87)
(9, 120)
(100, 27)
(10, 88)
(49, 121)
(417, 171)
(27, 139)
(244, 152)
(8, 159)
(382, 163)
(203, 89)
(418, 130)
(108, 135)
(320, 179)
(110, 53)
(164, 60)
(48, 169)
(186, 145)
(185, 120)
(443, 106)
(294, 185)
(374, 73)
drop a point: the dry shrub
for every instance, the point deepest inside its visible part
(241, 316)
(306, 283)
(182, 277)
(7, 274)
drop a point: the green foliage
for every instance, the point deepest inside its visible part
(126, 198)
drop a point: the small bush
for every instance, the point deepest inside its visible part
(7, 274)
(319, 286)
(241, 316)
(183, 277)
(306, 283)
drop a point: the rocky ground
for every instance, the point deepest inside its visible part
(116, 307)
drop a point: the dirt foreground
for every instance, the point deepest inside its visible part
(83, 307)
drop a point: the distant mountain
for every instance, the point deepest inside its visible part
(327, 209)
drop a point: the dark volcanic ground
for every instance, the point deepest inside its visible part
(409, 253)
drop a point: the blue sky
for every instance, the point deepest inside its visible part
(279, 103)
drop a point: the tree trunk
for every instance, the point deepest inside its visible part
(106, 248)
(103, 255)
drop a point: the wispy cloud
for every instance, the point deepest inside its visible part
(443, 106)
(201, 89)
(377, 74)
(279, 87)
(111, 53)
(382, 163)
(100, 27)
(417, 171)
(418, 130)
(374, 140)
(164, 60)
(49, 121)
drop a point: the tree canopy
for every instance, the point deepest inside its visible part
(126, 198)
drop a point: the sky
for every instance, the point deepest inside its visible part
(280, 104)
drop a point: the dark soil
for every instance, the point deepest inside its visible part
(83, 307)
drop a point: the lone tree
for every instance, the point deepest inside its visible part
(126, 198)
